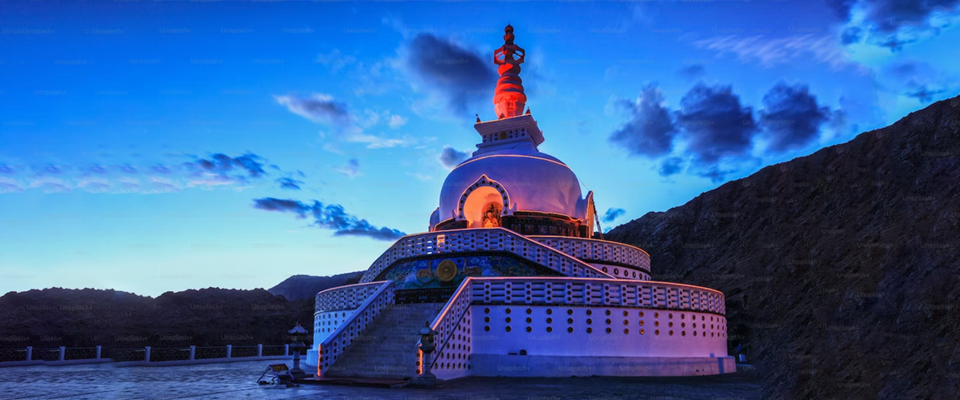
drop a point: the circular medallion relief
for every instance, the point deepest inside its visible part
(447, 270)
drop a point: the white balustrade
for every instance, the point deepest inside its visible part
(350, 329)
(482, 239)
(347, 297)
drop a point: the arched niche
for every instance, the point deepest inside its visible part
(483, 201)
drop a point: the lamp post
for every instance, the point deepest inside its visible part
(297, 335)
(427, 346)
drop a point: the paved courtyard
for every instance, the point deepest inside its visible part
(238, 381)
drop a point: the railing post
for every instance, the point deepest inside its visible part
(286, 349)
(259, 350)
(229, 350)
(193, 352)
(29, 353)
(98, 352)
(146, 354)
(63, 351)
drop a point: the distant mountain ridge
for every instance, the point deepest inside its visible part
(840, 268)
(205, 317)
(299, 287)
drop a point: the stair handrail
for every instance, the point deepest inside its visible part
(462, 297)
(358, 320)
(409, 244)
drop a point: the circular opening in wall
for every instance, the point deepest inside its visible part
(683, 333)
(656, 315)
(508, 320)
(508, 329)
(529, 311)
(642, 331)
(671, 324)
(549, 329)
(570, 329)
(589, 330)
(549, 311)
(569, 320)
(608, 312)
(486, 310)
(608, 321)
(569, 311)
(549, 320)
(529, 320)
(656, 332)
(589, 312)
(656, 323)
(670, 315)
(681, 316)
(589, 321)
(508, 311)
(625, 314)
(529, 329)
(626, 331)
(683, 324)
(641, 322)
(486, 329)
(671, 332)
(486, 319)
(641, 313)
(609, 330)
(694, 333)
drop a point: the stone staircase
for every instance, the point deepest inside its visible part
(387, 348)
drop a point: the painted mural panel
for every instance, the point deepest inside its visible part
(450, 271)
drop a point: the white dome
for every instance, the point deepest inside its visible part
(533, 181)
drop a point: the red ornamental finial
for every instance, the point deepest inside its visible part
(508, 99)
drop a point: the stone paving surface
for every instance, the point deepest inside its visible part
(238, 381)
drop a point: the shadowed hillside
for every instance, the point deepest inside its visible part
(89, 317)
(841, 268)
(299, 287)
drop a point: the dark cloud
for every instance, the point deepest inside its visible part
(840, 8)
(716, 125)
(791, 117)
(692, 72)
(224, 165)
(915, 79)
(891, 23)
(330, 216)
(670, 166)
(320, 108)
(650, 130)
(924, 94)
(451, 157)
(851, 35)
(612, 214)
(458, 73)
(289, 183)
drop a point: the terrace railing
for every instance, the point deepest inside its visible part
(602, 251)
(347, 297)
(451, 359)
(482, 239)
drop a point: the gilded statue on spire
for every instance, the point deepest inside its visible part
(508, 99)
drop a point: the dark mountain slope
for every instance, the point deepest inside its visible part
(841, 268)
(299, 287)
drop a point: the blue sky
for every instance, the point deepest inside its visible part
(155, 146)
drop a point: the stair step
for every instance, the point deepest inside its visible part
(387, 348)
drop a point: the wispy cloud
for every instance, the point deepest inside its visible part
(348, 126)
(351, 169)
(329, 216)
(771, 51)
(215, 171)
